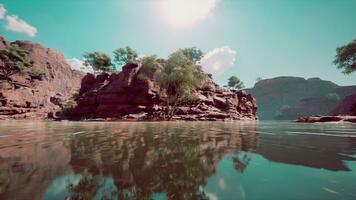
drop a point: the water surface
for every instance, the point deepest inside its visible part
(177, 160)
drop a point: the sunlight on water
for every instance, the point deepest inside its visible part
(177, 160)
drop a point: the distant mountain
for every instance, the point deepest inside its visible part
(292, 97)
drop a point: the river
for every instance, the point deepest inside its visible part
(177, 160)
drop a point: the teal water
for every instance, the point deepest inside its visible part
(177, 160)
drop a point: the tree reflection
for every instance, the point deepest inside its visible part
(85, 189)
(241, 163)
(153, 159)
(90, 187)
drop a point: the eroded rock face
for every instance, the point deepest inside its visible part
(127, 95)
(32, 98)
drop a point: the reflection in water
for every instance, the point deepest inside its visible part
(149, 159)
(303, 145)
(166, 160)
(241, 164)
(91, 187)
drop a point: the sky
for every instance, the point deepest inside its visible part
(246, 38)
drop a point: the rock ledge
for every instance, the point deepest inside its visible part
(315, 119)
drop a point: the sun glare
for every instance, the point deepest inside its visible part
(181, 13)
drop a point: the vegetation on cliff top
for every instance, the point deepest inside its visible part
(148, 68)
(235, 83)
(17, 61)
(194, 54)
(13, 60)
(123, 56)
(100, 61)
(178, 81)
(178, 77)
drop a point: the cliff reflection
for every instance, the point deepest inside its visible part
(303, 145)
(174, 159)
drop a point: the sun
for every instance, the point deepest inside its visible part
(182, 13)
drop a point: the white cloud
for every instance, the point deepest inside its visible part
(2, 11)
(78, 65)
(14, 23)
(186, 12)
(218, 60)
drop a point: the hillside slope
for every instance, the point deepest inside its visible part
(32, 97)
(292, 97)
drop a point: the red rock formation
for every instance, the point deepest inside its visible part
(314, 119)
(127, 95)
(29, 97)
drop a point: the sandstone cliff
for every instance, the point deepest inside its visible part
(33, 97)
(128, 95)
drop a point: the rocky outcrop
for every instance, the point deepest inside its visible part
(132, 94)
(31, 97)
(292, 97)
(314, 119)
(346, 107)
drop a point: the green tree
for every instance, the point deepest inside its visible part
(124, 56)
(235, 83)
(37, 73)
(13, 60)
(346, 57)
(98, 60)
(178, 81)
(194, 54)
(69, 106)
(149, 65)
